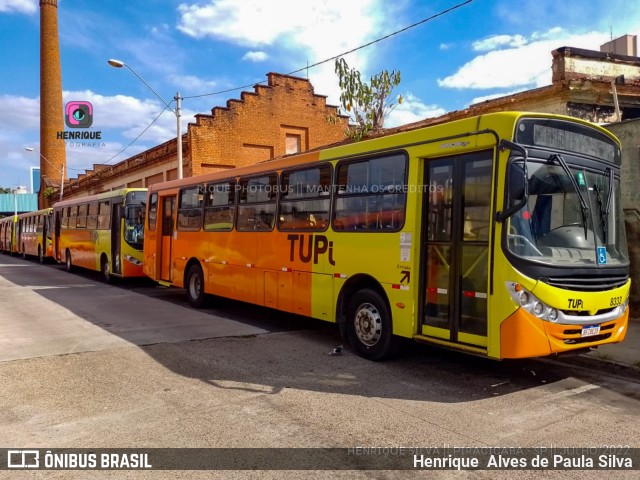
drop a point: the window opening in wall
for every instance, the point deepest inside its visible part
(293, 143)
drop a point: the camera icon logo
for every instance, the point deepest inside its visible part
(78, 114)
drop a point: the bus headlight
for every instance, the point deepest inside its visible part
(531, 304)
(538, 309)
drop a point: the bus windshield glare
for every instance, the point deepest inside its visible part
(568, 221)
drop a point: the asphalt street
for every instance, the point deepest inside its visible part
(88, 365)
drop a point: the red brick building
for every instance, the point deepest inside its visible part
(283, 116)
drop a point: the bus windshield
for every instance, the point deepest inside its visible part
(134, 225)
(572, 220)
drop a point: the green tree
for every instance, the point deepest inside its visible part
(368, 103)
(5, 190)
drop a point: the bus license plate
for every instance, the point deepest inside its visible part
(590, 331)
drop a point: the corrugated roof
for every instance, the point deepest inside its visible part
(26, 202)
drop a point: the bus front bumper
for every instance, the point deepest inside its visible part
(523, 335)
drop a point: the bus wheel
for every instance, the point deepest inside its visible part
(369, 325)
(106, 270)
(195, 286)
(68, 265)
(40, 254)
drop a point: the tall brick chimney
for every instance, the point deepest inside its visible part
(53, 153)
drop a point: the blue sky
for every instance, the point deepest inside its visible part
(484, 49)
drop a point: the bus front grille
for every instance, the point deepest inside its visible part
(587, 283)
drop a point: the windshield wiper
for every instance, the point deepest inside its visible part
(583, 204)
(603, 212)
(609, 170)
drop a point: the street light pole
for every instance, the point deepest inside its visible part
(31, 149)
(177, 111)
(61, 181)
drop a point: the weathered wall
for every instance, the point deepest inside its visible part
(255, 128)
(632, 224)
(629, 134)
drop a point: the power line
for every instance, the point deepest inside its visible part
(135, 139)
(425, 20)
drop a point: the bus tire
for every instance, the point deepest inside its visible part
(105, 270)
(194, 285)
(368, 325)
(67, 263)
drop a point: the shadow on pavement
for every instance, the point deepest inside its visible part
(290, 351)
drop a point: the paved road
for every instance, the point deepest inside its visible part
(148, 372)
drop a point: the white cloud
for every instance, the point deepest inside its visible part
(20, 6)
(19, 114)
(528, 65)
(445, 46)
(312, 32)
(314, 27)
(497, 41)
(254, 22)
(412, 109)
(255, 56)
(191, 83)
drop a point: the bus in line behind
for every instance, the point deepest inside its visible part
(101, 232)
(34, 234)
(8, 231)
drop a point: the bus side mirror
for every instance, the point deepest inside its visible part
(516, 182)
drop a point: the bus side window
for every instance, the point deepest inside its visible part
(368, 197)
(153, 211)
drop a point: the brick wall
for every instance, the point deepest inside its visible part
(256, 127)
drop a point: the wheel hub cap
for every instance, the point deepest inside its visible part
(368, 324)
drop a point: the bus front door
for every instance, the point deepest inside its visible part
(116, 237)
(56, 234)
(168, 214)
(455, 252)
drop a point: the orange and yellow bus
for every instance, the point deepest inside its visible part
(102, 232)
(501, 235)
(33, 236)
(8, 234)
